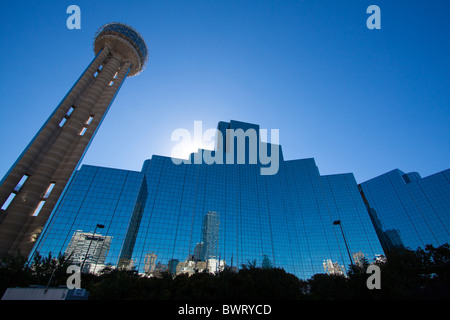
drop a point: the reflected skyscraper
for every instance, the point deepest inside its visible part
(333, 268)
(207, 215)
(172, 266)
(89, 250)
(150, 262)
(31, 188)
(210, 236)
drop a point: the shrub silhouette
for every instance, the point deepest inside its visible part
(406, 274)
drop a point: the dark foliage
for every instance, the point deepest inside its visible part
(406, 274)
(249, 283)
(15, 271)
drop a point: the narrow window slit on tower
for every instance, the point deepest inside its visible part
(62, 122)
(98, 71)
(67, 116)
(21, 182)
(88, 122)
(38, 208)
(49, 190)
(70, 111)
(16, 189)
(83, 131)
(8, 201)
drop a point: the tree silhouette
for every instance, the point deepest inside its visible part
(405, 274)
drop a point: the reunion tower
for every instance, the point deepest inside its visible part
(31, 188)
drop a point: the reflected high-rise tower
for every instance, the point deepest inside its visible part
(210, 236)
(31, 188)
(88, 250)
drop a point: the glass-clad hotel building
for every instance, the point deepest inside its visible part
(409, 211)
(191, 217)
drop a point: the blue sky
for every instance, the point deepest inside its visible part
(357, 100)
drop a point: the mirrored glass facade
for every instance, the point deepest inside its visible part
(409, 211)
(110, 198)
(186, 218)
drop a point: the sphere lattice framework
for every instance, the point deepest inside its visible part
(123, 41)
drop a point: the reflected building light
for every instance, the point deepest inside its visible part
(358, 258)
(150, 262)
(172, 266)
(333, 268)
(210, 236)
(90, 249)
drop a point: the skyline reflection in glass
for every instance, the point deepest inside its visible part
(186, 218)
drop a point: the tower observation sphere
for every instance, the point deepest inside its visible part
(31, 189)
(125, 42)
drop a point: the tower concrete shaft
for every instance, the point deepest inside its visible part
(38, 178)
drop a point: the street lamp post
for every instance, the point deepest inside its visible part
(338, 222)
(99, 226)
